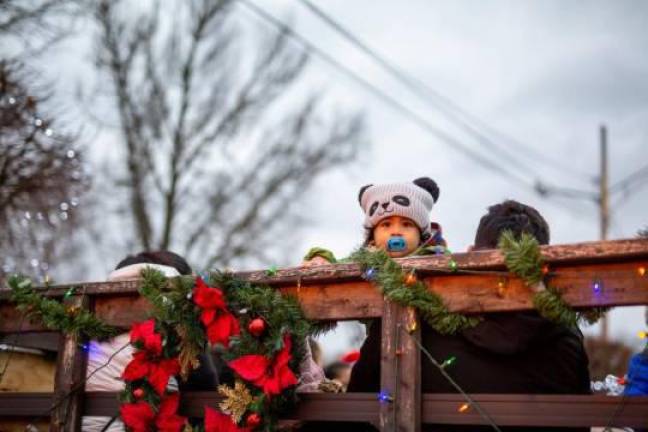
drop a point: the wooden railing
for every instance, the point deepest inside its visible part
(339, 292)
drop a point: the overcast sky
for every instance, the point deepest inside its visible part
(543, 75)
(546, 74)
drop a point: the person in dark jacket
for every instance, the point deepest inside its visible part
(517, 352)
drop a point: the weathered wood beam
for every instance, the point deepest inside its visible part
(507, 410)
(70, 372)
(611, 251)
(574, 269)
(620, 283)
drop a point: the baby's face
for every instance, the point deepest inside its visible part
(397, 226)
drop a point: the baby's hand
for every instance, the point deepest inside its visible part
(315, 261)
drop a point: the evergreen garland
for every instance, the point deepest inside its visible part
(523, 258)
(281, 313)
(390, 279)
(56, 315)
(550, 304)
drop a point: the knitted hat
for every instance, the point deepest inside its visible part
(411, 200)
(134, 271)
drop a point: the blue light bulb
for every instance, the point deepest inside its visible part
(370, 274)
(385, 397)
(597, 287)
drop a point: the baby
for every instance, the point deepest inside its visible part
(396, 220)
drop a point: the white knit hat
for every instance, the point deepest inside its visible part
(134, 271)
(411, 200)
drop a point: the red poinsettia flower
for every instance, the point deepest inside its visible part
(137, 416)
(167, 419)
(145, 334)
(218, 321)
(156, 371)
(272, 377)
(216, 421)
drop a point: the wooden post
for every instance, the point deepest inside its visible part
(400, 370)
(68, 383)
(408, 404)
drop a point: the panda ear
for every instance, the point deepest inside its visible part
(429, 185)
(362, 191)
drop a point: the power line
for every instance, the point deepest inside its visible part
(638, 175)
(418, 87)
(385, 97)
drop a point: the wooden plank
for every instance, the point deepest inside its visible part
(12, 321)
(70, 372)
(621, 286)
(24, 404)
(408, 398)
(507, 410)
(539, 410)
(399, 370)
(578, 253)
(345, 300)
(117, 303)
(121, 310)
(388, 367)
(635, 250)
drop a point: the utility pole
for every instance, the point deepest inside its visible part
(601, 198)
(604, 207)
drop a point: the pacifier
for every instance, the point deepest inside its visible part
(396, 244)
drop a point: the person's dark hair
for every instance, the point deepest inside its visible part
(514, 216)
(163, 257)
(334, 370)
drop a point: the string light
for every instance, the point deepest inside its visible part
(411, 327)
(448, 362)
(641, 271)
(69, 293)
(501, 285)
(463, 408)
(453, 265)
(642, 335)
(370, 274)
(410, 279)
(597, 287)
(385, 397)
(545, 269)
(272, 271)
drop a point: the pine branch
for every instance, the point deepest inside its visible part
(522, 256)
(56, 315)
(389, 278)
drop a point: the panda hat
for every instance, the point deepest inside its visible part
(411, 200)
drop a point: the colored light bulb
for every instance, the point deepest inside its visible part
(448, 362)
(385, 397)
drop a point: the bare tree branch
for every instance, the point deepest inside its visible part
(192, 114)
(41, 177)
